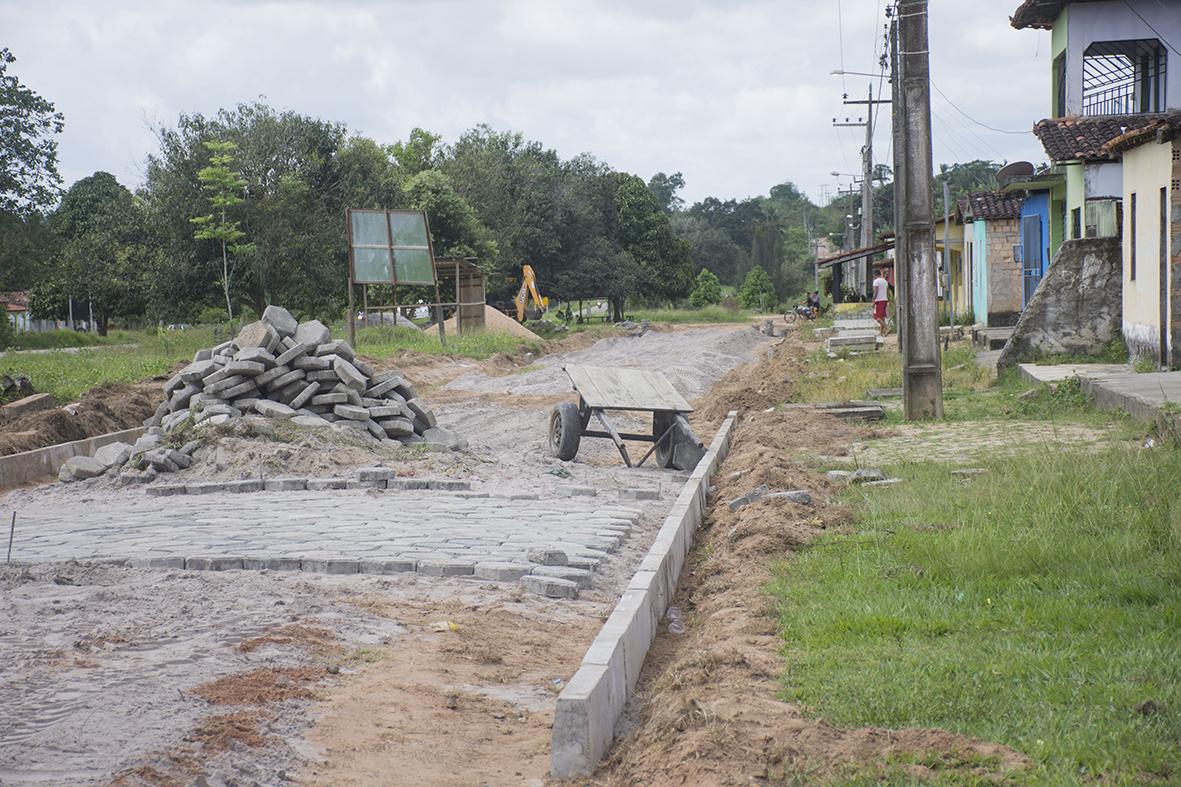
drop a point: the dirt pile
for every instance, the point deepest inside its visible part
(496, 321)
(110, 407)
(707, 711)
(755, 386)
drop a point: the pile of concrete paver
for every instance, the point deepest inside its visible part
(277, 368)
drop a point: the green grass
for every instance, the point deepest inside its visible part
(53, 340)
(66, 375)
(705, 315)
(1035, 606)
(379, 341)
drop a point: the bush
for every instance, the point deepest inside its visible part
(7, 332)
(757, 291)
(707, 291)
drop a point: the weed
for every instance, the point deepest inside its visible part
(381, 340)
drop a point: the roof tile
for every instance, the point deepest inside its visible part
(1071, 138)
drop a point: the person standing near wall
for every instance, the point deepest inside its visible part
(881, 297)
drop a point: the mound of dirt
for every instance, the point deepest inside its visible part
(706, 709)
(496, 321)
(755, 386)
(109, 407)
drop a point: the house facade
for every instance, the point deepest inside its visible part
(953, 282)
(992, 233)
(1042, 225)
(1151, 191)
(16, 308)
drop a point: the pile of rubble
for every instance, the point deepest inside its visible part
(277, 368)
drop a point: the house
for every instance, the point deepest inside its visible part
(1151, 192)
(992, 222)
(1042, 211)
(949, 250)
(16, 307)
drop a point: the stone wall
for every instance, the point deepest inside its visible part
(1077, 308)
(1004, 275)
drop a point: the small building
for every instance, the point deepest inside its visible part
(1042, 223)
(953, 283)
(992, 224)
(1151, 191)
(16, 307)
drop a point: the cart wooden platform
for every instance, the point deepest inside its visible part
(603, 389)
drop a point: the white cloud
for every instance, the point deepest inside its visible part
(735, 95)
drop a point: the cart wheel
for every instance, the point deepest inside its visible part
(790, 317)
(565, 431)
(664, 449)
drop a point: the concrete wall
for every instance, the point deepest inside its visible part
(1076, 197)
(43, 463)
(1004, 275)
(1077, 308)
(1147, 169)
(1112, 20)
(976, 239)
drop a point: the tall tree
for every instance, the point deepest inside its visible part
(29, 180)
(224, 184)
(665, 188)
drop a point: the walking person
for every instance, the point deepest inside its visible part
(881, 297)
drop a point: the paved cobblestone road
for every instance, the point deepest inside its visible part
(337, 532)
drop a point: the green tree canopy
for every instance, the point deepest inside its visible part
(707, 290)
(29, 180)
(757, 292)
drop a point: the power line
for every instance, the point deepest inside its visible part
(1150, 27)
(969, 117)
(980, 139)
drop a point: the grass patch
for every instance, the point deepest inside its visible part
(378, 341)
(705, 315)
(1037, 606)
(850, 376)
(55, 340)
(66, 375)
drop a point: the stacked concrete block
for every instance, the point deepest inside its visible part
(281, 368)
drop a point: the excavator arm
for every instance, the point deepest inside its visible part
(528, 288)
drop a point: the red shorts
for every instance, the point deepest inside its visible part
(879, 310)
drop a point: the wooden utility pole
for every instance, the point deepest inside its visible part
(914, 254)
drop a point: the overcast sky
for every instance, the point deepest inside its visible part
(735, 94)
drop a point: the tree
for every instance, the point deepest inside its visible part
(757, 292)
(104, 256)
(665, 188)
(455, 230)
(28, 152)
(418, 153)
(224, 184)
(707, 291)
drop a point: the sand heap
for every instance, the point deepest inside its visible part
(495, 321)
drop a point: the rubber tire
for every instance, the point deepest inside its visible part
(790, 317)
(565, 431)
(664, 451)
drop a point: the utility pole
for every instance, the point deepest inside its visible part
(866, 181)
(918, 330)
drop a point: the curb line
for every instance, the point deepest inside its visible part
(593, 700)
(16, 469)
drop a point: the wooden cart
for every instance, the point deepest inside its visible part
(602, 389)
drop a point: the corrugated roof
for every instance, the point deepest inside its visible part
(989, 205)
(1084, 138)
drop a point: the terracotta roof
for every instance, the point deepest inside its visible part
(1039, 13)
(1070, 138)
(1162, 129)
(18, 298)
(990, 206)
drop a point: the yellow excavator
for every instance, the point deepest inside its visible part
(529, 288)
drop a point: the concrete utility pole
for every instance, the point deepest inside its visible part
(918, 330)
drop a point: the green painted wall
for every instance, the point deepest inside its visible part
(1057, 47)
(1076, 196)
(1057, 218)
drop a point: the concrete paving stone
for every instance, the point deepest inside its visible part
(166, 490)
(204, 487)
(449, 485)
(245, 485)
(329, 565)
(524, 496)
(639, 494)
(572, 490)
(351, 412)
(304, 396)
(579, 576)
(165, 562)
(289, 355)
(546, 556)
(354, 483)
(245, 389)
(283, 380)
(471, 495)
(247, 368)
(269, 409)
(311, 421)
(339, 347)
(286, 484)
(408, 484)
(331, 398)
(550, 587)
(384, 386)
(281, 320)
(349, 375)
(203, 563)
(498, 571)
(320, 484)
(311, 363)
(312, 333)
(378, 473)
(396, 565)
(433, 567)
(270, 375)
(272, 563)
(583, 562)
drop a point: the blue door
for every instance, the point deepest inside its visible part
(1032, 264)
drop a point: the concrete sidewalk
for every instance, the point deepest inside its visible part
(1114, 386)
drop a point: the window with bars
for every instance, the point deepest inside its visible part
(1124, 77)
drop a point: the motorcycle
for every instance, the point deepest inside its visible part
(800, 310)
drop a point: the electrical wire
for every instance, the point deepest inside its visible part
(985, 143)
(969, 117)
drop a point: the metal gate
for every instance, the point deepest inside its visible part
(1031, 256)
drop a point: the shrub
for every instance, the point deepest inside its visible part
(7, 332)
(707, 291)
(757, 291)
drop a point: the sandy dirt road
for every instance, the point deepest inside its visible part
(123, 675)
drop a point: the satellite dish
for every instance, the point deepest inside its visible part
(1018, 170)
